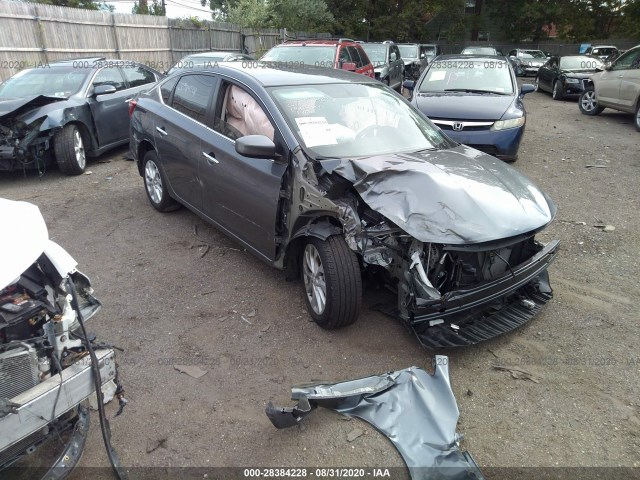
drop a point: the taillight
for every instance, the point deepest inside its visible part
(132, 106)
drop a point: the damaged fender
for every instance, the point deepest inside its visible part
(415, 410)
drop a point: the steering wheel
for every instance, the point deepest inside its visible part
(374, 131)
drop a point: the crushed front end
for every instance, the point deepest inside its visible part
(455, 241)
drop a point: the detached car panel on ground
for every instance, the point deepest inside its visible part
(67, 110)
(327, 175)
(45, 368)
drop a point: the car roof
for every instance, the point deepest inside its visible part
(216, 53)
(269, 75)
(317, 42)
(473, 56)
(604, 46)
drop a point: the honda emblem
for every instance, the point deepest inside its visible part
(457, 126)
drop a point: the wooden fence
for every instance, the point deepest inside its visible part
(34, 34)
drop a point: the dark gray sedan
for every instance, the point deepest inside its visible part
(327, 174)
(72, 109)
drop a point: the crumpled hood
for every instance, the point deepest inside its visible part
(457, 196)
(20, 106)
(457, 106)
(23, 241)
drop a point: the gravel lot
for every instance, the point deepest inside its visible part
(166, 303)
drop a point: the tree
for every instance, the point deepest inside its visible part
(86, 4)
(296, 15)
(142, 7)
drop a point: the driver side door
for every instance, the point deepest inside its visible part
(110, 112)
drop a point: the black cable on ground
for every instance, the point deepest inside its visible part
(104, 422)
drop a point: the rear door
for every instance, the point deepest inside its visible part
(178, 132)
(241, 194)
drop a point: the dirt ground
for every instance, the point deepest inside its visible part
(166, 302)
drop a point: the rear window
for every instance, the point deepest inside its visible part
(192, 95)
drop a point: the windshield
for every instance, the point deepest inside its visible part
(479, 51)
(408, 51)
(603, 51)
(491, 76)
(308, 55)
(51, 81)
(355, 120)
(376, 52)
(532, 54)
(580, 63)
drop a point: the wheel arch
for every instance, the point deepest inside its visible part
(321, 225)
(144, 147)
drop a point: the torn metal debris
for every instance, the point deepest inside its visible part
(416, 411)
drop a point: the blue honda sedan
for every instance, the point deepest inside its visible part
(475, 100)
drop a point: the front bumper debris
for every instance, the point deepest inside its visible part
(415, 410)
(36, 405)
(466, 317)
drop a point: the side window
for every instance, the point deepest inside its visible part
(344, 57)
(166, 88)
(109, 76)
(192, 95)
(627, 61)
(138, 76)
(239, 114)
(395, 50)
(355, 56)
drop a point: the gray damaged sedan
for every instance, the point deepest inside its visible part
(67, 111)
(329, 175)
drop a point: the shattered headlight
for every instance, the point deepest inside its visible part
(511, 123)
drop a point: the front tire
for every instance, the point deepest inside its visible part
(557, 93)
(68, 147)
(637, 122)
(588, 103)
(332, 282)
(155, 184)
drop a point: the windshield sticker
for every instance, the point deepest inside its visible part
(439, 75)
(316, 131)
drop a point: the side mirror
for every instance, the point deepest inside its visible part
(256, 146)
(409, 84)
(527, 88)
(103, 90)
(422, 55)
(349, 66)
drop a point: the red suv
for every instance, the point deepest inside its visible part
(342, 53)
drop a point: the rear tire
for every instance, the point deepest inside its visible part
(637, 122)
(68, 147)
(588, 103)
(155, 184)
(332, 282)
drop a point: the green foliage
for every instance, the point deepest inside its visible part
(142, 7)
(296, 15)
(86, 4)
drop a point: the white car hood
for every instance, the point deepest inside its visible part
(25, 237)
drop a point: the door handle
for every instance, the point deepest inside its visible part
(161, 131)
(210, 159)
(620, 76)
(128, 100)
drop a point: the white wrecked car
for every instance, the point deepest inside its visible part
(46, 371)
